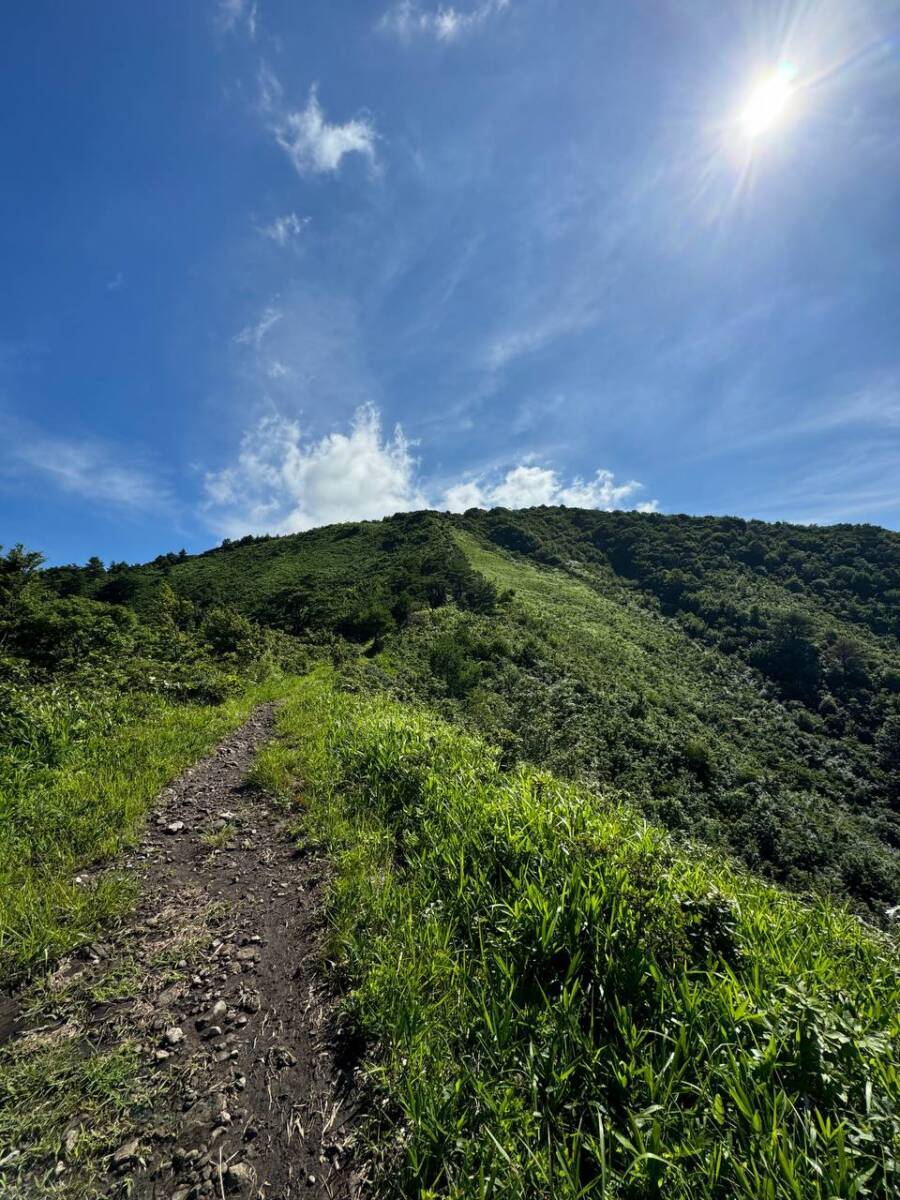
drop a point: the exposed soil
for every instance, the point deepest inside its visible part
(227, 1006)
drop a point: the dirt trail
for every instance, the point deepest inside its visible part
(227, 1004)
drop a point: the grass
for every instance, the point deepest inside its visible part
(579, 675)
(48, 1088)
(74, 794)
(560, 1002)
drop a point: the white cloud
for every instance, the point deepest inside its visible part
(89, 469)
(407, 19)
(283, 229)
(253, 335)
(526, 485)
(316, 147)
(283, 483)
(233, 14)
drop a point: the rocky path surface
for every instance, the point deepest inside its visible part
(221, 993)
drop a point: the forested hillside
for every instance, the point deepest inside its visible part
(740, 681)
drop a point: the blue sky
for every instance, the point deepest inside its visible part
(267, 265)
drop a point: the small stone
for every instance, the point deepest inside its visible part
(310, 1179)
(213, 1031)
(240, 1177)
(126, 1153)
(175, 827)
(247, 954)
(219, 1009)
(250, 1002)
(174, 1035)
(162, 1055)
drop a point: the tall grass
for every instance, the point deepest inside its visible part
(558, 1002)
(77, 774)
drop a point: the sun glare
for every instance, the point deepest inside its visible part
(767, 104)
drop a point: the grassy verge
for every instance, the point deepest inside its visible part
(78, 798)
(561, 1003)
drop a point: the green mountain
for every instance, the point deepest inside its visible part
(613, 807)
(739, 681)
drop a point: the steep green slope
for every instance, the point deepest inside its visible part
(557, 1001)
(579, 673)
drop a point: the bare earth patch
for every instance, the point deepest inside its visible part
(211, 991)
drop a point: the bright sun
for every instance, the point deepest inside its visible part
(767, 103)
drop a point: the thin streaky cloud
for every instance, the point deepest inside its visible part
(236, 14)
(88, 468)
(408, 19)
(253, 335)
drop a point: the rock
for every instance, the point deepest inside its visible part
(174, 1035)
(248, 954)
(126, 1154)
(282, 1057)
(212, 1031)
(162, 1055)
(70, 1138)
(240, 1177)
(250, 1002)
(175, 827)
(219, 1009)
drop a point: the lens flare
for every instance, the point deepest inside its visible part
(767, 103)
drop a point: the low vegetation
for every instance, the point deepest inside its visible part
(98, 711)
(613, 803)
(560, 1002)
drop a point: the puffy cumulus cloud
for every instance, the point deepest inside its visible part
(282, 483)
(315, 146)
(407, 18)
(526, 486)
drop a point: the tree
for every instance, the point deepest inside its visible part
(18, 568)
(792, 658)
(887, 746)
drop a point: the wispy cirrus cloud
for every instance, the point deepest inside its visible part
(283, 481)
(316, 146)
(254, 334)
(88, 468)
(408, 19)
(284, 229)
(238, 14)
